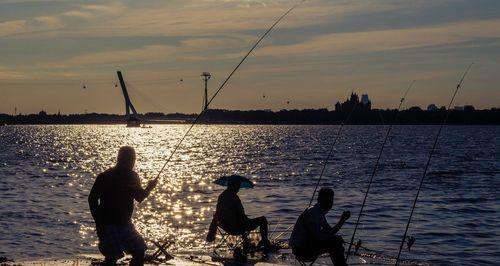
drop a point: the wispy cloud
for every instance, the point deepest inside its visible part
(9, 74)
(12, 27)
(72, 39)
(49, 21)
(363, 42)
(150, 53)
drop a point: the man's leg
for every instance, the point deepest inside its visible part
(137, 258)
(336, 251)
(260, 222)
(109, 247)
(134, 245)
(110, 261)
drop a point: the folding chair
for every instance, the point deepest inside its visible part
(305, 262)
(161, 249)
(238, 244)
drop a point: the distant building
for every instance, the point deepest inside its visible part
(415, 109)
(432, 107)
(354, 102)
(458, 108)
(365, 100)
(469, 108)
(42, 113)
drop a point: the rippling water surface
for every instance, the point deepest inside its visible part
(46, 173)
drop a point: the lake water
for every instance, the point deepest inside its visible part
(46, 173)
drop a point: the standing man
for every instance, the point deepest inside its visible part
(313, 236)
(111, 203)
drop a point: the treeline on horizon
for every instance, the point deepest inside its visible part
(411, 116)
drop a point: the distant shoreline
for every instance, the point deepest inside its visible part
(412, 116)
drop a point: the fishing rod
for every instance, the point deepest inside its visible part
(376, 167)
(224, 83)
(429, 159)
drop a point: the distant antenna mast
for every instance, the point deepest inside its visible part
(206, 76)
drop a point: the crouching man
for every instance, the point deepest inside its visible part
(111, 203)
(313, 236)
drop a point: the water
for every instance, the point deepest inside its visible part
(46, 173)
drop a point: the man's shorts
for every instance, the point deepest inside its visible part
(118, 239)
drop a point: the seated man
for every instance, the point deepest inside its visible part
(230, 216)
(313, 236)
(111, 203)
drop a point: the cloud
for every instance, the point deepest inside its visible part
(9, 74)
(373, 41)
(204, 43)
(149, 53)
(49, 21)
(78, 14)
(12, 27)
(111, 8)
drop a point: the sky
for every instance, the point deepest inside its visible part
(325, 49)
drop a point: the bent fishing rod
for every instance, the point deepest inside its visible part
(375, 168)
(223, 84)
(429, 159)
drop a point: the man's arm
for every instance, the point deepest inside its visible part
(343, 219)
(314, 226)
(94, 196)
(239, 210)
(212, 229)
(139, 193)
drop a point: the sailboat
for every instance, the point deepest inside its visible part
(131, 118)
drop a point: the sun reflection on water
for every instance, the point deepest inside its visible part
(47, 172)
(181, 206)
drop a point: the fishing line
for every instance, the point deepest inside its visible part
(144, 97)
(376, 167)
(224, 83)
(429, 159)
(339, 131)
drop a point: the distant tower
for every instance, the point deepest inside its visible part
(206, 76)
(364, 99)
(15, 110)
(367, 104)
(354, 98)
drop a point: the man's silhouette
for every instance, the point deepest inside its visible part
(313, 236)
(230, 216)
(111, 203)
